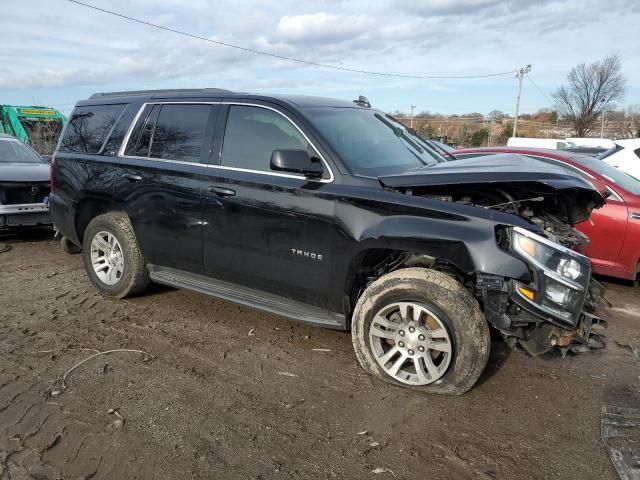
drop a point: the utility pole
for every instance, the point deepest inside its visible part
(412, 109)
(519, 75)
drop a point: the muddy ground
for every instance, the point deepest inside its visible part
(232, 393)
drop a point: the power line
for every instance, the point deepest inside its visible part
(283, 57)
(538, 88)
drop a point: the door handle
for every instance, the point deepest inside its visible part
(132, 177)
(222, 192)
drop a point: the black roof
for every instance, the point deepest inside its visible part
(218, 93)
(168, 91)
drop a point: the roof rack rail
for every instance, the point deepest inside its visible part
(160, 92)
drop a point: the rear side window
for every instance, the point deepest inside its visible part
(89, 128)
(253, 133)
(170, 132)
(179, 132)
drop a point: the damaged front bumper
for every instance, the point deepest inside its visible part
(24, 215)
(537, 333)
(589, 334)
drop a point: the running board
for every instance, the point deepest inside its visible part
(249, 297)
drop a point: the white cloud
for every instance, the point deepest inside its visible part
(446, 7)
(323, 27)
(68, 48)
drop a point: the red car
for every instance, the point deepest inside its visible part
(614, 229)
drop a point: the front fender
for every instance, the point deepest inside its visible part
(450, 234)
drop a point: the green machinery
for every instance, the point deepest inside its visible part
(40, 127)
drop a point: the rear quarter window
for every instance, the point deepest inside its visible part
(89, 128)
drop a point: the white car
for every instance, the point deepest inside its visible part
(591, 142)
(552, 143)
(625, 155)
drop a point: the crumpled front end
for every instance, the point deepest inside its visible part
(560, 307)
(588, 335)
(24, 204)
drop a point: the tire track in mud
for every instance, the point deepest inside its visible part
(212, 404)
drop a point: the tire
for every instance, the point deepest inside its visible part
(447, 315)
(133, 277)
(69, 247)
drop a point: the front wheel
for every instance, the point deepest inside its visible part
(421, 329)
(112, 257)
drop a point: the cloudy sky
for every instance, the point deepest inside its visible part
(54, 52)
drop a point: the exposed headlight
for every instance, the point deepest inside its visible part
(553, 259)
(569, 268)
(563, 275)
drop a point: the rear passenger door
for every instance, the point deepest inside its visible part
(264, 229)
(160, 180)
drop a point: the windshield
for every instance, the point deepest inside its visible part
(611, 173)
(611, 151)
(370, 142)
(11, 150)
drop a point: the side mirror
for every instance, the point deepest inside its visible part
(296, 161)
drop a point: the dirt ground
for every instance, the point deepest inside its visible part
(232, 393)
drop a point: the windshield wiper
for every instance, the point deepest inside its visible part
(426, 143)
(400, 132)
(441, 153)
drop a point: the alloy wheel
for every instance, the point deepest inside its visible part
(107, 258)
(410, 343)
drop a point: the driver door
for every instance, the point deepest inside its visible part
(263, 229)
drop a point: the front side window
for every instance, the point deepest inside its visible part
(89, 127)
(253, 133)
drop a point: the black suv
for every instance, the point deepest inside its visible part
(331, 213)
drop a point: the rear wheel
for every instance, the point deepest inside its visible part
(421, 329)
(112, 257)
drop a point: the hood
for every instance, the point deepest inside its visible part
(490, 169)
(565, 195)
(24, 172)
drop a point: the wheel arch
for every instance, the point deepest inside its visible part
(370, 264)
(89, 208)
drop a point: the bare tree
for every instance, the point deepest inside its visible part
(632, 122)
(495, 115)
(590, 91)
(43, 135)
